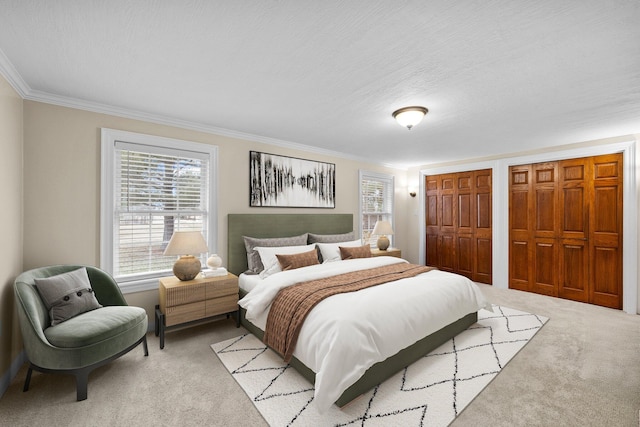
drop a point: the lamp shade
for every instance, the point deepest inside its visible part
(186, 243)
(410, 116)
(382, 228)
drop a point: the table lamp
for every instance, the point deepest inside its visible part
(186, 244)
(382, 228)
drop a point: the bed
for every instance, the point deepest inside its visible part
(280, 225)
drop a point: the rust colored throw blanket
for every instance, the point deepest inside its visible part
(292, 304)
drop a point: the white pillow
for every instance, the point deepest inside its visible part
(270, 261)
(331, 251)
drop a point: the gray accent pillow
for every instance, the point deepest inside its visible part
(253, 258)
(67, 295)
(331, 238)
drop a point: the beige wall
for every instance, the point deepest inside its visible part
(62, 184)
(11, 124)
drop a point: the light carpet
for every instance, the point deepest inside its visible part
(432, 391)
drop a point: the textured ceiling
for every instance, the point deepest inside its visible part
(497, 76)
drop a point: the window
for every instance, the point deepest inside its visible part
(376, 203)
(151, 187)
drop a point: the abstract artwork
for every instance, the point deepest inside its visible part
(280, 181)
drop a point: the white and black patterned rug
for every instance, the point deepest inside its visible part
(432, 391)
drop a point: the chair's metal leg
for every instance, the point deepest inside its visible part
(82, 383)
(144, 344)
(157, 323)
(27, 381)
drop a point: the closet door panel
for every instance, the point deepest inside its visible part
(574, 261)
(545, 279)
(606, 278)
(432, 250)
(545, 200)
(464, 253)
(519, 266)
(465, 218)
(574, 199)
(447, 253)
(483, 265)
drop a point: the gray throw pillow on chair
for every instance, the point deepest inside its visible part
(67, 295)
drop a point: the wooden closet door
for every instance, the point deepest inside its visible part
(573, 218)
(464, 233)
(432, 207)
(565, 229)
(544, 227)
(483, 226)
(458, 223)
(605, 236)
(520, 248)
(447, 221)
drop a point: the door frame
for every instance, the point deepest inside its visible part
(500, 214)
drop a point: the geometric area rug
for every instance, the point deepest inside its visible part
(430, 392)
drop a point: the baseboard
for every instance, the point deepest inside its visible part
(8, 376)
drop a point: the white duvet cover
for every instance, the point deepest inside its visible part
(346, 334)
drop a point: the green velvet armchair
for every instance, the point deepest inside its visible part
(84, 342)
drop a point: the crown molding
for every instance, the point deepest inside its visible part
(95, 107)
(8, 71)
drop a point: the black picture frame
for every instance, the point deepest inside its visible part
(290, 182)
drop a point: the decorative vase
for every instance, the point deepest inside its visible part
(186, 268)
(214, 261)
(383, 243)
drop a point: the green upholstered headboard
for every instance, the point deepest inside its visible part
(277, 225)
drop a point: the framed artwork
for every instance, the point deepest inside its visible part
(280, 181)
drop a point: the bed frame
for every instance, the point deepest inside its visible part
(284, 225)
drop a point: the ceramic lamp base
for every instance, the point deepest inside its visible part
(187, 267)
(383, 243)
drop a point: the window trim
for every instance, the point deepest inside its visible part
(364, 174)
(109, 139)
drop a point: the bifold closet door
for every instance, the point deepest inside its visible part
(458, 223)
(565, 229)
(605, 232)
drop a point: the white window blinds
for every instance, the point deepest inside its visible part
(156, 190)
(376, 203)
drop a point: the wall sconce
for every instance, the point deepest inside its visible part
(410, 116)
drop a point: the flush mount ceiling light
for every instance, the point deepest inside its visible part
(410, 116)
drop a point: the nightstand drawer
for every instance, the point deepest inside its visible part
(179, 295)
(222, 288)
(185, 313)
(221, 305)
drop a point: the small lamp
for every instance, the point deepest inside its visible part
(382, 228)
(186, 243)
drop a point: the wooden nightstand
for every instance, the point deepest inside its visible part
(389, 252)
(189, 301)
